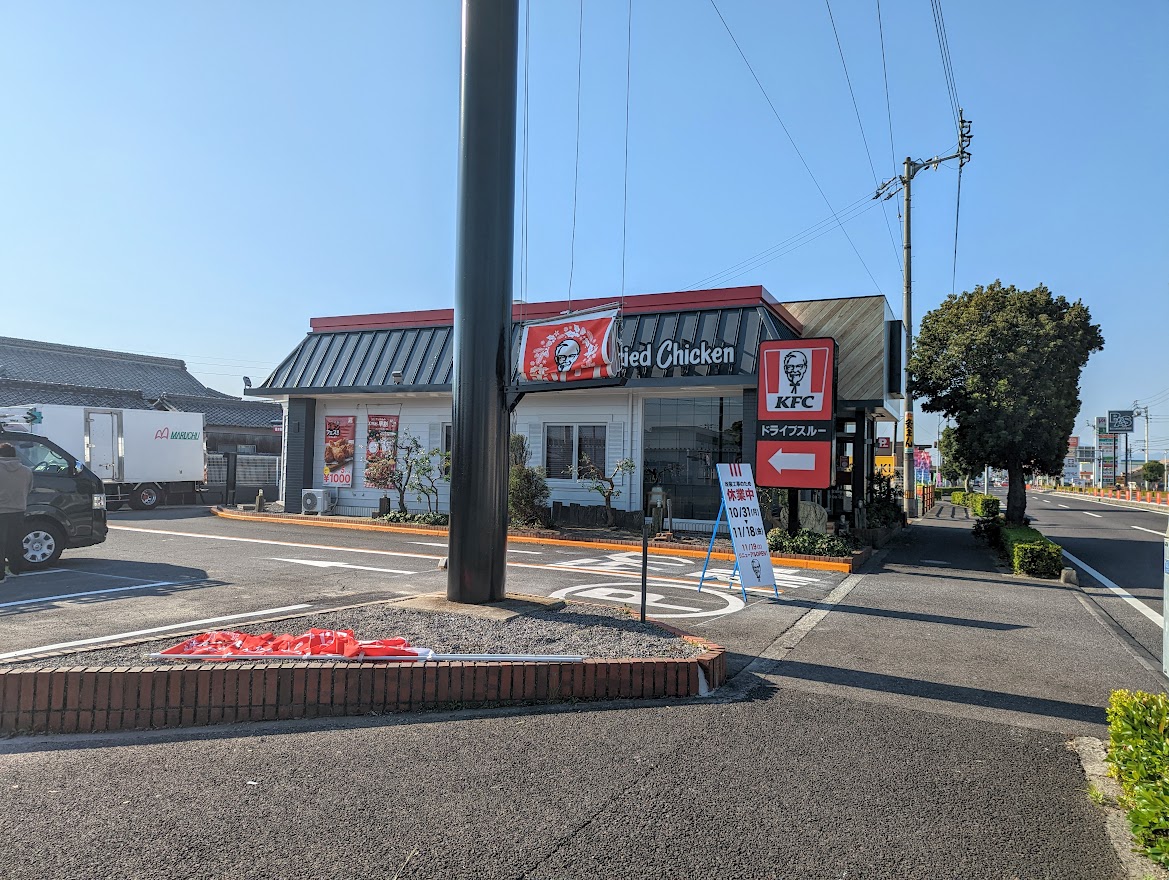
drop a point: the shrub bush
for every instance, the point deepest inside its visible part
(1031, 553)
(1139, 754)
(990, 530)
(527, 496)
(423, 519)
(808, 543)
(959, 498)
(984, 505)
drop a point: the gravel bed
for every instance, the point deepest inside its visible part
(587, 630)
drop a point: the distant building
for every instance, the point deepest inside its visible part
(48, 373)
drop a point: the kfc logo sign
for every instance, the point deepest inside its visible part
(796, 379)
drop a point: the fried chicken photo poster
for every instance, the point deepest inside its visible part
(340, 433)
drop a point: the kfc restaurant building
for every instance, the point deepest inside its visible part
(687, 363)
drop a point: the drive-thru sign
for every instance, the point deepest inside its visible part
(796, 413)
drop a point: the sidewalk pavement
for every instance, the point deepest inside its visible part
(913, 725)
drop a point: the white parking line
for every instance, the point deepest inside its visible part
(1044, 500)
(277, 543)
(1123, 594)
(318, 563)
(1089, 513)
(444, 547)
(25, 574)
(190, 624)
(1064, 506)
(428, 544)
(89, 593)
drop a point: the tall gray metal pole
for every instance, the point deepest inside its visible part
(909, 483)
(1165, 604)
(482, 354)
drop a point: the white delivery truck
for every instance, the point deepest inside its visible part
(139, 454)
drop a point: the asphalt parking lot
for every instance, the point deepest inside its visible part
(179, 569)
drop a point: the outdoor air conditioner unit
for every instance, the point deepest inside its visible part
(315, 501)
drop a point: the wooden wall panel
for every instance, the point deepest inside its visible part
(858, 326)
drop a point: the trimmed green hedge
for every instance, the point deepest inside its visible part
(420, 519)
(1031, 553)
(959, 498)
(809, 543)
(1139, 754)
(984, 505)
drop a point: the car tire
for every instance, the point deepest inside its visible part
(145, 497)
(42, 544)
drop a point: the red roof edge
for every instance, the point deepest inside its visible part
(642, 303)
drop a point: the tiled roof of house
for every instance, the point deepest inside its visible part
(48, 373)
(47, 362)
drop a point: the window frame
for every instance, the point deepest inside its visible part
(574, 475)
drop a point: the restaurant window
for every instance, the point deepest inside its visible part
(567, 447)
(685, 437)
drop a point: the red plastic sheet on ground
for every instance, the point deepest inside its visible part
(318, 643)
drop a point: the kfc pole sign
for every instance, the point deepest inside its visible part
(571, 347)
(796, 403)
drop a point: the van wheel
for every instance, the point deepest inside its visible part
(42, 543)
(146, 498)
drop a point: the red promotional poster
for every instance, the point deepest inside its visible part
(381, 444)
(796, 379)
(571, 347)
(340, 434)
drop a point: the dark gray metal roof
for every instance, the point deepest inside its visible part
(218, 411)
(68, 365)
(365, 360)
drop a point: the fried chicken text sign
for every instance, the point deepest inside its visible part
(746, 524)
(571, 347)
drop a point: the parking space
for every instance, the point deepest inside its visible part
(180, 572)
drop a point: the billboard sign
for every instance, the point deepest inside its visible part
(796, 413)
(1120, 421)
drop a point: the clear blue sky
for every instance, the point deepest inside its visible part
(201, 179)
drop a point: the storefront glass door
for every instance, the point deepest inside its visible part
(684, 438)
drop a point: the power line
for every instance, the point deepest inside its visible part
(860, 125)
(947, 64)
(888, 114)
(625, 198)
(576, 166)
(780, 244)
(787, 245)
(791, 140)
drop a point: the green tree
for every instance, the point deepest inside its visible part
(955, 466)
(1152, 471)
(1005, 364)
(604, 484)
(527, 489)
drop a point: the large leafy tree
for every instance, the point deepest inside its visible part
(1005, 365)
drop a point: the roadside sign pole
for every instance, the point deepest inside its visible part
(645, 563)
(1165, 605)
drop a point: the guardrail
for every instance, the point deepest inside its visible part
(1139, 495)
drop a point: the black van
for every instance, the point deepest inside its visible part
(67, 507)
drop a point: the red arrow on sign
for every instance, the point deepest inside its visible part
(793, 464)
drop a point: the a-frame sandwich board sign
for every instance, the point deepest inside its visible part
(740, 505)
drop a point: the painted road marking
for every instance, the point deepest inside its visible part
(90, 593)
(25, 574)
(1045, 501)
(1150, 531)
(320, 563)
(441, 544)
(1123, 594)
(609, 594)
(444, 547)
(1064, 506)
(192, 624)
(619, 591)
(936, 562)
(1089, 513)
(278, 543)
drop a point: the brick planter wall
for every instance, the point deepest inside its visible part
(82, 700)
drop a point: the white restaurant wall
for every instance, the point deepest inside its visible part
(620, 410)
(424, 418)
